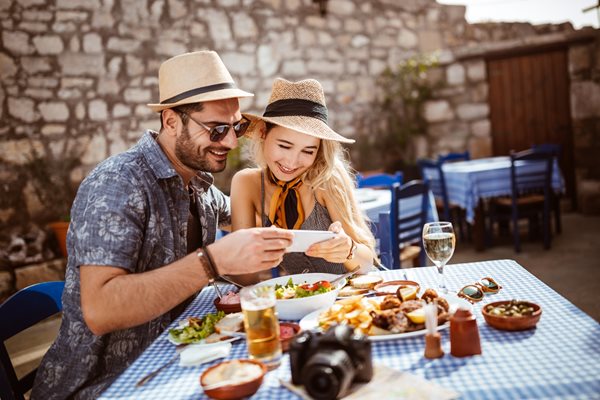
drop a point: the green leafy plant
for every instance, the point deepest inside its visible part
(398, 110)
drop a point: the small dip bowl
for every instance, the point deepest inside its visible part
(230, 391)
(493, 315)
(227, 308)
(285, 341)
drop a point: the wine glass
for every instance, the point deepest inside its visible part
(439, 242)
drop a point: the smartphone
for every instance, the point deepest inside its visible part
(303, 239)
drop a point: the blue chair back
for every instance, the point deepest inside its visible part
(452, 157)
(398, 229)
(22, 310)
(379, 180)
(433, 175)
(532, 180)
(552, 148)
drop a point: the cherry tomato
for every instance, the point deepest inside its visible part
(324, 284)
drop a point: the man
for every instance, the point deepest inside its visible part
(142, 231)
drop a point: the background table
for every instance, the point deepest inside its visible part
(375, 201)
(467, 182)
(559, 359)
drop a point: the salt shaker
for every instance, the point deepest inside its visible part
(433, 340)
(464, 334)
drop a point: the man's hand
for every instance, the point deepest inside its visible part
(334, 250)
(250, 250)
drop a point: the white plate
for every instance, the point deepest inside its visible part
(366, 195)
(311, 321)
(202, 343)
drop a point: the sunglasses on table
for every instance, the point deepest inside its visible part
(476, 291)
(218, 132)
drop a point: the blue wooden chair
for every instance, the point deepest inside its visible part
(555, 151)
(433, 175)
(453, 157)
(531, 196)
(22, 310)
(379, 180)
(400, 234)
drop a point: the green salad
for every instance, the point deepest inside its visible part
(293, 291)
(196, 329)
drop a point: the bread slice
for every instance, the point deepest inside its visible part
(365, 281)
(230, 323)
(351, 291)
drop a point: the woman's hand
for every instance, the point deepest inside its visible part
(333, 250)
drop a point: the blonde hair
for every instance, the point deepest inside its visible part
(330, 172)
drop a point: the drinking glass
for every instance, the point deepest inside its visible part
(261, 324)
(439, 242)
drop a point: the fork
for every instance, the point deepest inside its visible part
(152, 374)
(339, 278)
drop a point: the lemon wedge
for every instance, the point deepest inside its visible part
(407, 293)
(417, 316)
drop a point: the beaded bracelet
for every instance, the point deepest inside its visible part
(206, 264)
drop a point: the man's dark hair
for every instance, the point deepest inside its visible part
(183, 111)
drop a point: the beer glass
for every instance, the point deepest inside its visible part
(261, 324)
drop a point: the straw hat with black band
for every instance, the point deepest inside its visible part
(193, 78)
(299, 106)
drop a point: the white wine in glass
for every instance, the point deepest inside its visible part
(439, 242)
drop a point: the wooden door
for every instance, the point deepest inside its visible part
(529, 104)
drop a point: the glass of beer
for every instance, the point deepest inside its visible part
(261, 324)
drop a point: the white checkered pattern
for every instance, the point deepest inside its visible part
(469, 181)
(560, 359)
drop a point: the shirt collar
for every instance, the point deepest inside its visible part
(162, 167)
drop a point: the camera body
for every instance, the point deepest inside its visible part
(327, 363)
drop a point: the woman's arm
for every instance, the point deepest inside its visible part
(245, 187)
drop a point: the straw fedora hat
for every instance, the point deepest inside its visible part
(299, 106)
(192, 78)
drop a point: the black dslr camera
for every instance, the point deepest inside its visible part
(327, 363)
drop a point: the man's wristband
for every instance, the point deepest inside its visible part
(207, 265)
(211, 262)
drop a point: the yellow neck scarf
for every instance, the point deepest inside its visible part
(286, 208)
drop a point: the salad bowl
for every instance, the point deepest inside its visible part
(295, 308)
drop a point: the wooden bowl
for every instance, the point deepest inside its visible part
(509, 323)
(233, 391)
(391, 287)
(285, 342)
(227, 308)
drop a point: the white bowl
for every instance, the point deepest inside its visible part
(296, 309)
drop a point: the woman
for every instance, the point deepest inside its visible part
(303, 181)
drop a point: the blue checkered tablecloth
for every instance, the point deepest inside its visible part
(560, 359)
(469, 181)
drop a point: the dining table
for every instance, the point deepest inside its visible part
(470, 183)
(558, 359)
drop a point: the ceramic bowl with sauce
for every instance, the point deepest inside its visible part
(227, 308)
(233, 379)
(287, 331)
(512, 315)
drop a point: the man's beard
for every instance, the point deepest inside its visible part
(194, 157)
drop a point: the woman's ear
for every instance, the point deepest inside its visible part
(262, 128)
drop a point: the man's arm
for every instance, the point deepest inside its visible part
(113, 299)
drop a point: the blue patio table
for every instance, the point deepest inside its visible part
(375, 201)
(470, 183)
(557, 360)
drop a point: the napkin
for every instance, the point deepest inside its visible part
(195, 355)
(388, 383)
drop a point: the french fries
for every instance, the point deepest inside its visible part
(353, 311)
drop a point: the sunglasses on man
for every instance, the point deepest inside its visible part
(218, 132)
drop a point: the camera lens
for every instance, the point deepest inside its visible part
(328, 374)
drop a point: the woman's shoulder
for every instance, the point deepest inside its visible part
(247, 176)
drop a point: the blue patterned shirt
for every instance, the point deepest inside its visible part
(130, 212)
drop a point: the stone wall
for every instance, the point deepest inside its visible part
(76, 75)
